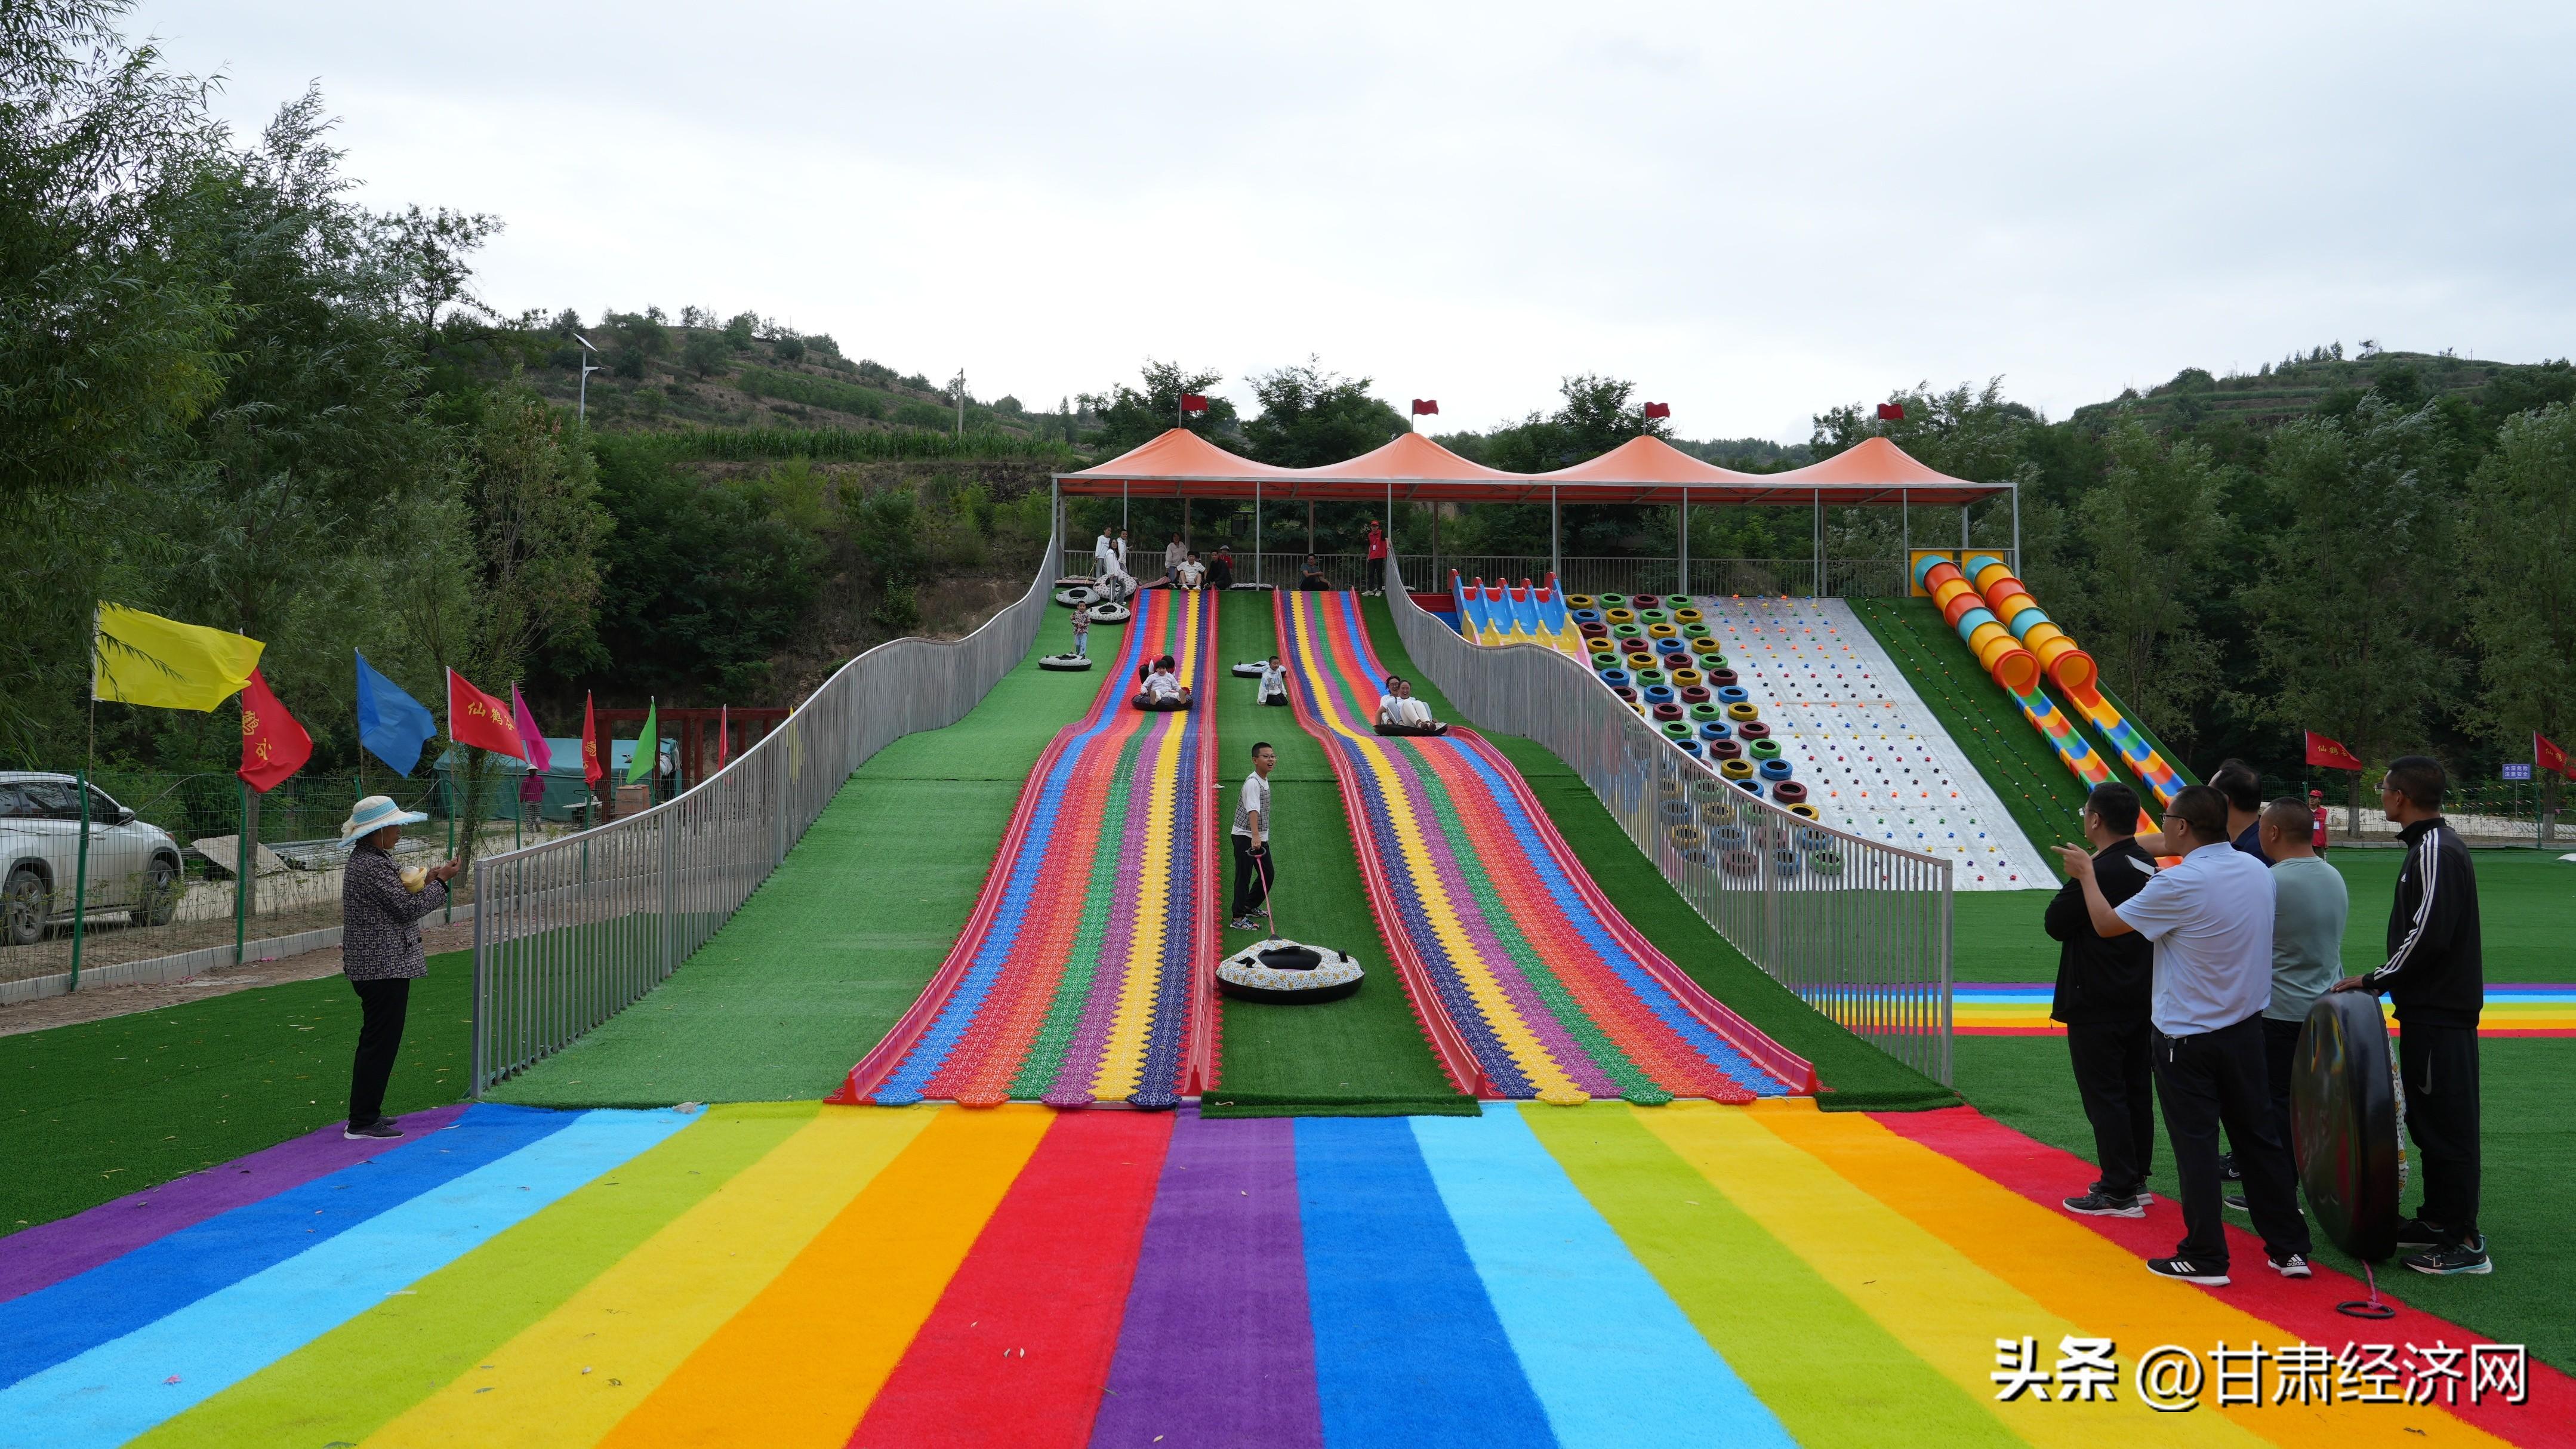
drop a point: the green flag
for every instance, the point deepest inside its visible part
(648, 747)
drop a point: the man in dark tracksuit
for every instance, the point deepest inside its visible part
(2102, 989)
(2436, 980)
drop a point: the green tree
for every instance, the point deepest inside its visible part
(111, 332)
(2519, 557)
(738, 330)
(2355, 594)
(1131, 417)
(2149, 535)
(1310, 416)
(704, 352)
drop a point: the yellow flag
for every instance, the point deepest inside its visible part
(141, 658)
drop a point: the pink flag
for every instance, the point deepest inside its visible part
(532, 785)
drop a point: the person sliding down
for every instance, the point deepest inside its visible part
(1274, 683)
(1163, 688)
(1399, 713)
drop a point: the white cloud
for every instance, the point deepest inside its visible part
(1756, 211)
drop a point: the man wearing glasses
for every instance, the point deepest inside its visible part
(2210, 917)
(2436, 979)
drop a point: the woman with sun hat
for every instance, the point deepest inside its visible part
(380, 913)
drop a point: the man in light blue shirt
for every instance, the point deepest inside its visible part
(2210, 917)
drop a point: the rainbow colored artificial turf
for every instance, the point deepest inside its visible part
(2020, 1008)
(1530, 984)
(792, 1275)
(1081, 976)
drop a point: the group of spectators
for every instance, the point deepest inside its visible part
(1183, 569)
(2200, 976)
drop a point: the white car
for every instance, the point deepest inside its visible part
(133, 865)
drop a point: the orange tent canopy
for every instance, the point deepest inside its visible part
(1181, 464)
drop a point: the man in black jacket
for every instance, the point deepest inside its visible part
(2102, 991)
(2437, 981)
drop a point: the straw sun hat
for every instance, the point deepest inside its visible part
(373, 814)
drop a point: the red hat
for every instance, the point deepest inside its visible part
(2316, 794)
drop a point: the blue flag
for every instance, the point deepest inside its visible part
(391, 724)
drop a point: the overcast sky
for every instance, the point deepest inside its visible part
(1756, 211)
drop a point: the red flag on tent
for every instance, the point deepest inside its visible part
(1193, 404)
(1891, 412)
(274, 746)
(1658, 410)
(1425, 406)
(2330, 753)
(476, 718)
(2544, 755)
(724, 734)
(592, 772)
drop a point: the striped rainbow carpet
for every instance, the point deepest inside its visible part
(2020, 1008)
(1525, 976)
(794, 1275)
(1078, 978)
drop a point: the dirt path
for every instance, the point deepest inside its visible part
(107, 1001)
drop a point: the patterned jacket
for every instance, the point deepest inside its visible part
(380, 921)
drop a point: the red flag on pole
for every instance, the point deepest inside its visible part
(476, 718)
(1891, 412)
(274, 746)
(724, 734)
(592, 772)
(2330, 753)
(1658, 410)
(2544, 755)
(1193, 404)
(1425, 406)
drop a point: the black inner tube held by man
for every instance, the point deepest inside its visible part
(2436, 978)
(2102, 986)
(2210, 917)
(381, 908)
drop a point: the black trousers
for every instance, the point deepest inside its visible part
(2114, 1078)
(1377, 574)
(383, 1005)
(2440, 1065)
(2280, 1053)
(1252, 875)
(2220, 1077)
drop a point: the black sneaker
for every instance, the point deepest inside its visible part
(2227, 1168)
(2189, 1271)
(2099, 1204)
(2235, 1200)
(1243, 923)
(2416, 1235)
(381, 1127)
(2290, 1265)
(2468, 1257)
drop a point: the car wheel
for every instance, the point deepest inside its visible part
(22, 907)
(160, 898)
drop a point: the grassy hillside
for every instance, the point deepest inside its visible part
(2301, 385)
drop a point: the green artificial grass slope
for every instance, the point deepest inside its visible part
(2040, 793)
(1860, 1076)
(100, 1109)
(817, 966)
(1365, 1054)
(2526, 919)
(2524, 1208)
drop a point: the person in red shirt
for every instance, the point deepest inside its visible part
(1376, 558)
(2317, 819)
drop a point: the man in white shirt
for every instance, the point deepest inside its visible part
(1107, 559)
(1253, 868)
(1274, 683)
(1400, 712)
(1191, 573)
(2210, 917)
(1174, 554)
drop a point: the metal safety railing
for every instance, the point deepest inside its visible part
(1858, 929)
(569, 933)
(1855, 578)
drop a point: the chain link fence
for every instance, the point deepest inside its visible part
(1859, 929)
(156, 868)
(570, 932)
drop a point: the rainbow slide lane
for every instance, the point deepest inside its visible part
(2013, 666)
(2072, 670)
(801, 1276)
(1084, 974)
(1527, 981)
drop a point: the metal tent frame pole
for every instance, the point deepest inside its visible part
(2016, 512)
(1905, 542)
(1256, 530)
(1816, 566)
(1555, 519)
(1685, 534)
